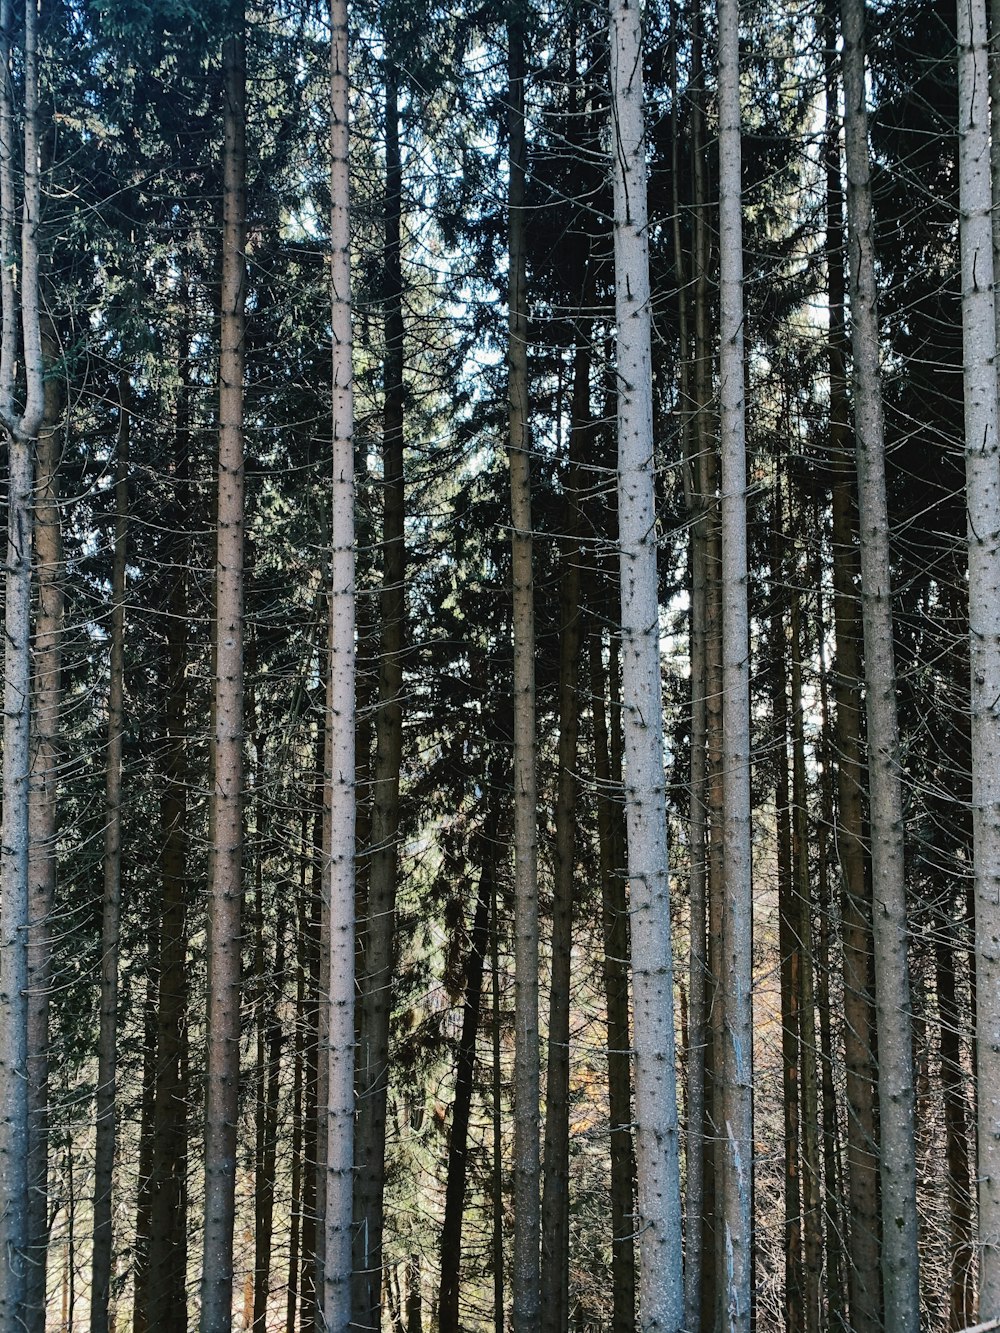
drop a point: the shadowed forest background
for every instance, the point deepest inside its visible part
(368, 957)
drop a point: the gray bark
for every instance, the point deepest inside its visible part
(527, 1183)
(658, 1223)
(980, 323)
(900, 1262)
(736, 1126)
(339, 786)
(226, 851)
(21, 429)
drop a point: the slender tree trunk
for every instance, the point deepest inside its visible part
(43, 822)
(104, 1153)
(167, 1256)
(19, 291)
(373, 1069)
(616, 954)
(980, 323)
(339, 783)
(832, 1160)
(658, 1223)
(861, 1073)
(900, 1261)
(788, 943)
(555, 1172)
(737, 928)
(225, 875)
(299, 1076)
(812, 1207)
(526, 1074)
(695, 501)
(706, 451)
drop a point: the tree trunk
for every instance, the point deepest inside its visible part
(373, 1057)
(497, 1118)
(980, 323)
(526, 1057)
(339, 782)
(43, 821)
(900, 1260)
(658, 1223)
(737, 926)
(616, 954)
(861, 1073)
(104, 1152)
(167, 1255)
(226, 851)
(19, 291)
(555, 1173)
(812, 1207)
(788, 944)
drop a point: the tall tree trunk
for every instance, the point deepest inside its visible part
(658, 1223)
(812, 1207)
(616, 953)
(833, 1193)
(788, 943)
(695, 502)
(737, 926)
(980, 323)
(861, 1073)
(19, 292)
(900, 1260)
(104, 1153)
(226, 853)
(43, 821)
(383, 867)
(299, 1078)
(339, 790)
(525, 1271)
(555, 1172)
(706, 450)
(167, 1253)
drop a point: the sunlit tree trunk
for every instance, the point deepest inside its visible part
(658, 1221)
(19, 292)
(525, 1270)
(225, 892)
(980, 323)
(339, 784)
(900, 1262)
(43, 826)
(104, 1154)
(736, 1121)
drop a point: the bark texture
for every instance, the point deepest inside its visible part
(225, 892)
(339, 786)
(979, 331)
(736, 1127)
(900, 1261)
(658, 1221)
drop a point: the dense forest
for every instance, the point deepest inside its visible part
(501, 744)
